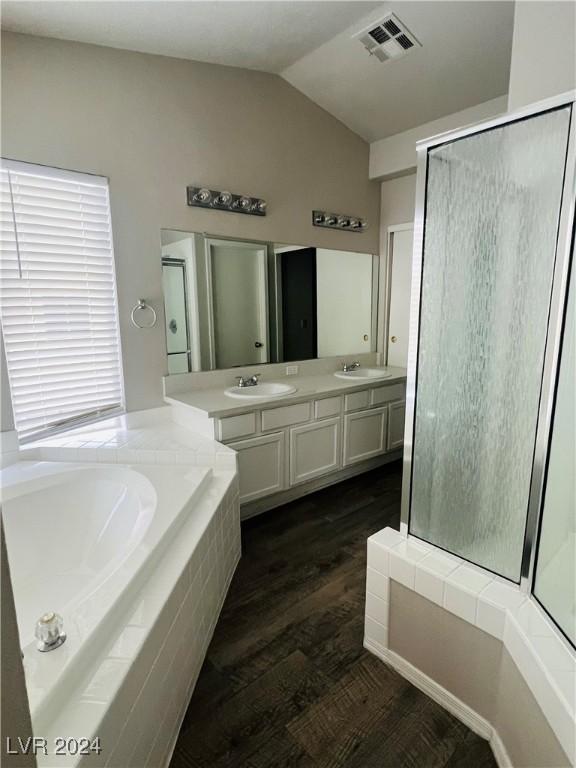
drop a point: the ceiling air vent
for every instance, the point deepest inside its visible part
(388, 39)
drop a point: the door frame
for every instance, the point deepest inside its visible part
(263, 311)
(387, 288)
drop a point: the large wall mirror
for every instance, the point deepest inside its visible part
(232, 302)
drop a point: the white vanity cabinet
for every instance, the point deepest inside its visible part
(288, 449)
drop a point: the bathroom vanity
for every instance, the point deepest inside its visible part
(327, 430)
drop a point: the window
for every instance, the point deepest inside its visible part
(58, 303)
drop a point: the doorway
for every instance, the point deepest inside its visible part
(400, 243)
(299, 333)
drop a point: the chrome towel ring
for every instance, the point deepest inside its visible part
(143, 306)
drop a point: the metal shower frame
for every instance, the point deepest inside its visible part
(557, 309)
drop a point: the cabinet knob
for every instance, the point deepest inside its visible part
(393, 339)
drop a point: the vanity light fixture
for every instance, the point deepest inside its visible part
(338, 221)
(202, 197)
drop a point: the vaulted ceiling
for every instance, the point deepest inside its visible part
(464, 58)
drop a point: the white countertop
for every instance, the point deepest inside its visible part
(215, 403)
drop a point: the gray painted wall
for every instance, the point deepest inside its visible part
(543, 51)
(153, 124)
(476, 668)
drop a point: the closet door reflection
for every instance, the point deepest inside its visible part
(492, 208)
(177, 337)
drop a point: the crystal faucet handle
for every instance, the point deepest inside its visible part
(49, 631)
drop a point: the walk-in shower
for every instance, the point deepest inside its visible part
(490, 424)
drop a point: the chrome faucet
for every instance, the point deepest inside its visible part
(249, 381)
(350, 366)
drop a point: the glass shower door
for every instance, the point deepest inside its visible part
(492, 206)
(554, 583)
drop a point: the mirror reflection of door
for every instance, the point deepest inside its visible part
(400, 242)
(299, 333)
(177, 336)
(239, 302)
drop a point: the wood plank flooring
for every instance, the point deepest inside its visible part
(286, 683)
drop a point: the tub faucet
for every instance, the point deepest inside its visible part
(49, 632)
(249, 381)
(351, 366)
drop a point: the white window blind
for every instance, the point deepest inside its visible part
(58, 303)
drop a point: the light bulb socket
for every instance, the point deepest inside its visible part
(202, 197)
(338, 221)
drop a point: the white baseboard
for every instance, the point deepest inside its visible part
(441, 696)
(500, 754)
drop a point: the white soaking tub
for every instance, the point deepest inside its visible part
(82, 540)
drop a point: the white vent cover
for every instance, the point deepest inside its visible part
(388, 39)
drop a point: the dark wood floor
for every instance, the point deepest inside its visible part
(286, 682)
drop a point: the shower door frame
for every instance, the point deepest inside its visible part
(557, 309)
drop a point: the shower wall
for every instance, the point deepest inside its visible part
(490, 229)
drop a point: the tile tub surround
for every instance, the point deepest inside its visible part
(135, 688)
(135, 691)
(141, 437)
(485, 601)
(8, 448)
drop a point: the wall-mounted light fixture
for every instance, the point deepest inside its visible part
(338, 221)
(202, 197)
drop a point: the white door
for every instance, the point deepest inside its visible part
(365, 435)
(396, 418)
(239, 302)
(344, 302)
(260, 466)
(400, 271)
(314, 450)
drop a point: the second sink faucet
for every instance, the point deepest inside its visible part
(351, 366)
(249, 381)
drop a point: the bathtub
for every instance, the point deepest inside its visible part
(82, 540)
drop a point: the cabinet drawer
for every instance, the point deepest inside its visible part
(329, 406)
(357, 400)
(275, 418)
(386, 394)
(232, 427)
(314, 450)
(260, 466)
(365, 435)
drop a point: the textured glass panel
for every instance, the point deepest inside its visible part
(492, 208)
(555, 584)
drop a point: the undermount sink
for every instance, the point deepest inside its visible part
(266, 389)
(364, 373)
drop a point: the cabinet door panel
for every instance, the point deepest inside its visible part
(260, 466)
(365, 435)
(314, 450)
(396, 415)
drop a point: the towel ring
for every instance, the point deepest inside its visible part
(142, 305)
